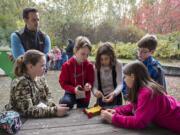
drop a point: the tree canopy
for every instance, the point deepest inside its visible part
(112, 20)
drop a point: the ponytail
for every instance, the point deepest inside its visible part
(20, 67)
(29, 57)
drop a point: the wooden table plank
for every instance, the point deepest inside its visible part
(75, 117)
(77, 123)
(103, 129)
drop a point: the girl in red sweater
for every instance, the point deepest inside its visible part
(77, 75)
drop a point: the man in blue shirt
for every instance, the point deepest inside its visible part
(30, 37)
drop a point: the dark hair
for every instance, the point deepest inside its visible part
(105, 49)
(142, 79)
(70, 41)
(26, 12)
(82, 42)
(30, 57)
(148, 41)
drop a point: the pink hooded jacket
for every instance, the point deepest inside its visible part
(162, 110)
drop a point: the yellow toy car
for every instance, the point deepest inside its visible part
(93, 111)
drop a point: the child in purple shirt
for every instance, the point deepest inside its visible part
(149, 103)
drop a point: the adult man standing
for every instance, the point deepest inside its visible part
(30, 37)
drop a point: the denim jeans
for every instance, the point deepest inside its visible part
(70, 100)
(117, 101)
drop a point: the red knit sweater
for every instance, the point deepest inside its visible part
(73, 74)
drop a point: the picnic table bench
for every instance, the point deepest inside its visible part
(77, 123)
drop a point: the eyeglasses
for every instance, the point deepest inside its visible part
(140, 50)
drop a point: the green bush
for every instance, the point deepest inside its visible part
(5, 36)
(122, 50)
(94, 49)
(126, 51)
(168, 48)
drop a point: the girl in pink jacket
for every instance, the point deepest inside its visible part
(148, 103)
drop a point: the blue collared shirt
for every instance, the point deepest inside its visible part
(17, 47)
(152, 66)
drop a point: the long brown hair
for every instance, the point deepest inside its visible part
(105, 49)
(30, 57)
(142, 79)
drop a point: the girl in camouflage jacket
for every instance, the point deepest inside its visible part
(30, 94)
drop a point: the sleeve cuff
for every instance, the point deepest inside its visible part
(114, 122)
(118, 90)
(55, 111)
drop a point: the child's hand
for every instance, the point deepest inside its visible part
(112, 111)
(109, 97)
(98, 94)
(87, 87)
(80, 93)
(78, 90)
(61, 110)
(107, 116)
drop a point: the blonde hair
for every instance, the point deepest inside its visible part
(30, 57)
(81, 42)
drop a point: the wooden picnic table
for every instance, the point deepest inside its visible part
(77, 123)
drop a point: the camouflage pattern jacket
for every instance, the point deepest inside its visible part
(31, 98)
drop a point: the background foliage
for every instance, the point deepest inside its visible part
(122, 22)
